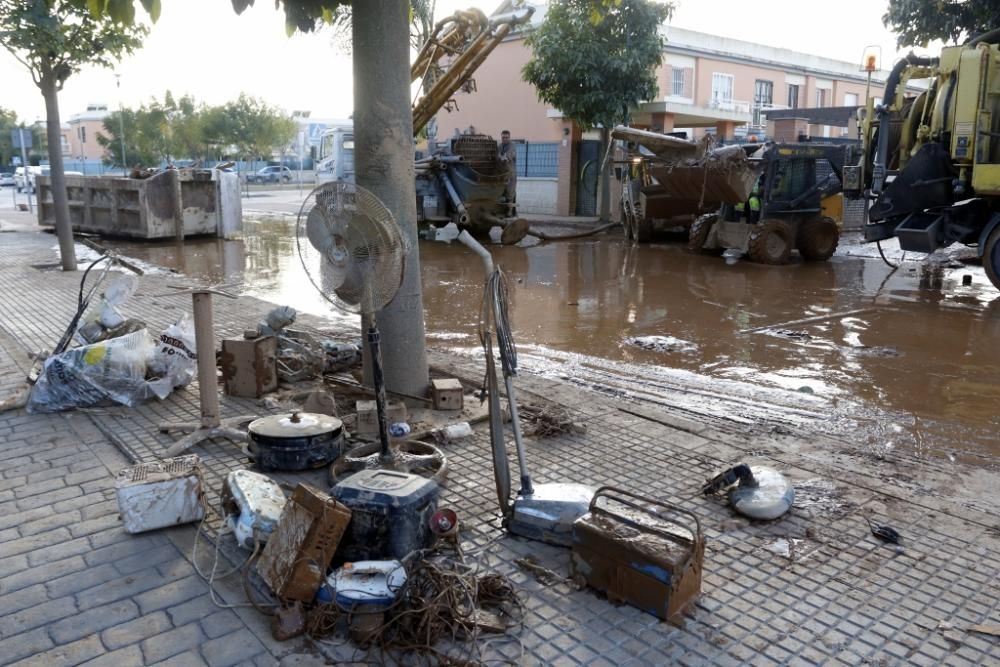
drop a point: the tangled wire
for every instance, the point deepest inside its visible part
(443, 600)
(548, 421)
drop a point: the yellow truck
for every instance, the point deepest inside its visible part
(931, 162)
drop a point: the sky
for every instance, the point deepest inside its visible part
(203, 48)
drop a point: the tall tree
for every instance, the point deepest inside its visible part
(918, 22)
(8, 122)
(53, 39)
(256, 128)
(596, 61)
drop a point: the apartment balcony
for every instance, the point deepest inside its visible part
(688, 113)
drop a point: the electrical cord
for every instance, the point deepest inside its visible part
(878, 244)
(496, 291)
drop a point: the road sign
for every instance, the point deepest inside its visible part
(21, 137)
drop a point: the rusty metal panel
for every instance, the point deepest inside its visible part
(298, 553)
(640, 551)
(248, 366)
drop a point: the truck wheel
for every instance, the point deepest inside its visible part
(818, 239)
(991, 257)
(771, 242)
(699, 230)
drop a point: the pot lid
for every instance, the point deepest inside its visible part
(295, 425)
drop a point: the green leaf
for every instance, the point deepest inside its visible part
(96, 8)
(152, 8)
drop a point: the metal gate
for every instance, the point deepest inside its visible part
(589, 168)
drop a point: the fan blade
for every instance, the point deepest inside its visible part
(317, 231)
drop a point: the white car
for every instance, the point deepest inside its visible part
(35, 171)
(6, 178)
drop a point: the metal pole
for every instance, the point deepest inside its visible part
(121, 123)
(204, 340)
(24, 162)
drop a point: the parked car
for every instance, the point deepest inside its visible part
(44, 171)
(19, 178)
(6, 178)
(272, 175)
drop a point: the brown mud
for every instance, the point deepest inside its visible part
(894, 362)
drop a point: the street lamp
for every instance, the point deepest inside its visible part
(121, 120)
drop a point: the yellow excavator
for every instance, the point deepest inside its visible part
(931, 162)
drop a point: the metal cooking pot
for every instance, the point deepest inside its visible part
(299, 441)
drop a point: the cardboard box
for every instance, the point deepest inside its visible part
(249, 367)
(368, 416)
(447, 394)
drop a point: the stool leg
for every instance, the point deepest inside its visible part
(204, 337)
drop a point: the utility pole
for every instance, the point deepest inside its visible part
(121, 121)
(383, 135)
(24, 161)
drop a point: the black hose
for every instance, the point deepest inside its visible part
(989, 36)
(81, 307)
(885, 117)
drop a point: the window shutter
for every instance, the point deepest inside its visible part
(688, 82)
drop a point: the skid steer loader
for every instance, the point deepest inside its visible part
(785, 210)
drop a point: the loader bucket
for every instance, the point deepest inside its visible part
(723, 176)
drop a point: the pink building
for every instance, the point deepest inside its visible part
(708, 84)
(84, 127)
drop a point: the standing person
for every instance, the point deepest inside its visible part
(507, 154)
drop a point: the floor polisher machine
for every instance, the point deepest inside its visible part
(543, 512)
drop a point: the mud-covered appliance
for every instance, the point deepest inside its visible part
(160, 494)
(390, 514)
(251, 504)
(295, 560)
(641, 551)
(296, 441)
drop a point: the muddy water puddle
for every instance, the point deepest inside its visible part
(848, 347)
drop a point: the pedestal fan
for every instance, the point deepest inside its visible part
(354, 254)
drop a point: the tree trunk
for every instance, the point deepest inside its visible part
(383, 135)
(57, 179)
(605, 176)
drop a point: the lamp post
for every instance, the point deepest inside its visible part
(121, 121)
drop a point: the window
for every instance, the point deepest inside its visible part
(722, 89)
(850, 99)
(822, 95)
(793, 96)
(677, 82)
(537, 160)
(83, 134)
(763, 99)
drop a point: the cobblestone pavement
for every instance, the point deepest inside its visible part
(812, 588)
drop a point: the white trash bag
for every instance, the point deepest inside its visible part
(111, 370)
(175, 356)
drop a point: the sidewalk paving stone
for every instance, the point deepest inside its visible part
(74, 587)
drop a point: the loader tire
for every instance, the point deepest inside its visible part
(643, 228)
(818, 239)
(991, 257)
(771, 242)
(699, 230)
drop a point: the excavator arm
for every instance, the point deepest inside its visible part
(456, 48)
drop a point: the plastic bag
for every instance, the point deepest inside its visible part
(112, 370)
(175, 357)
(106, 317)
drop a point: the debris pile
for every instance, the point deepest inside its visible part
(549, 421)
(115, 359)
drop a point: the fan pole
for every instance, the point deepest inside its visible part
(383, 422)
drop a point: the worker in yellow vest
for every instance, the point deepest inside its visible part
(753, 215)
